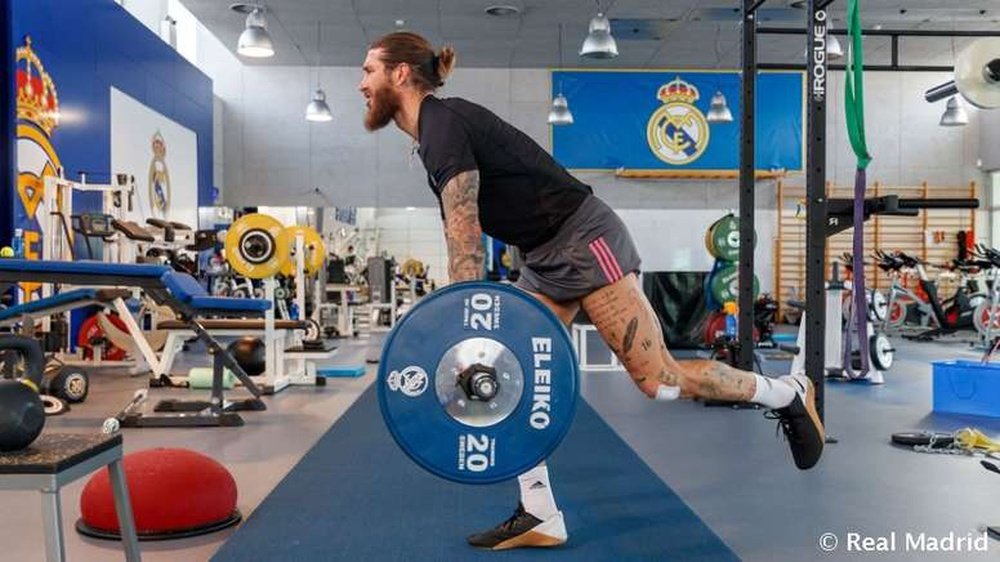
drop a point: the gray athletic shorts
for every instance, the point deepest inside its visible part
(591, 249)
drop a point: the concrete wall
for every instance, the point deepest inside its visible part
(204, 50)
(149, 12)
(270, 146)
(989, 139)
(272, 156)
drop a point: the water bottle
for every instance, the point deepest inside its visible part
(293, 311)
(18, 243)
(730, 310)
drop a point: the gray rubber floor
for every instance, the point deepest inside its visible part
(258, 455)
(729, 466)
(738, 476)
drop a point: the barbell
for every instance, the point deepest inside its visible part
(478, 382)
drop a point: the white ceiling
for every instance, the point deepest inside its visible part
(691, 33)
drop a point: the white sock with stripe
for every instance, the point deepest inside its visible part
(536, 492)
(774, 393)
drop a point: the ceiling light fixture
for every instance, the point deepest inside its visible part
(833, 47)
(559, 113)
(255, 41)
(955, 114)
(502, 10)
(599, 43)
(318, 111)
(719, 112)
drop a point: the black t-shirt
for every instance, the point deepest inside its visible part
(524, 194)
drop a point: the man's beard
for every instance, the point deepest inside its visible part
(384, 105)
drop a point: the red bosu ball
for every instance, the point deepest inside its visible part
(175, 493)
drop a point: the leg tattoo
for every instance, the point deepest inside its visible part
(633, 325)
(719, 381)
(649, 364)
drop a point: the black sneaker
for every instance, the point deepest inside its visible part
(521, 530)
(800, 422)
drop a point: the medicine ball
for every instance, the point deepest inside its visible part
(22, 414)
(249, 353)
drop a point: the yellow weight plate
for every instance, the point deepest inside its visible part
(412, 268)
(257, 246)
(315, 250)
(709, 237)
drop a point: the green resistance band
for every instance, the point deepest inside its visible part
(854, 86)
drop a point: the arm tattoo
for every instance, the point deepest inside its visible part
(460, 200)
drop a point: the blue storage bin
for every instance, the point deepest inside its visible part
(967, 387)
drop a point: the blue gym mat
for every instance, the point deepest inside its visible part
(355, 496)
(341, 371)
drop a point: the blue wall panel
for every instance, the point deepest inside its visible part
(89, 46)
(630, 119)
(7, 195)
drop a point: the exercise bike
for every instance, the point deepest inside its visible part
(903, 306)
(952, 314)
(987, 314)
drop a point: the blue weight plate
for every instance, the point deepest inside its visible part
(435, 423)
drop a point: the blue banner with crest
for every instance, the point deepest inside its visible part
(657, 120)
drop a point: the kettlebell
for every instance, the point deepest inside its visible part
(22, 414)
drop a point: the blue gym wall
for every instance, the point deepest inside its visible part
(612, 112)
(86, 47)
(6, 125)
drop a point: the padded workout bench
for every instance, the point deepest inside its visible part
(188, 300)
(61, 302)
(606, 360)
(27, 313)
(283, 367)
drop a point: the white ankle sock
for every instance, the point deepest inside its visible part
(536, 492)
(776, 393)
(799, 381)
(665, 393)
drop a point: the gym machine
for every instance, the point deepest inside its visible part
(970, 81)
(839, 344)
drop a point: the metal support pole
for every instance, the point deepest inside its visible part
(815, 296)
(886, 32)
(895, 49)
(744, 357)
(868, 67)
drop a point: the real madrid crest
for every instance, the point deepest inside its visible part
(677, 131)
(159, 178)
(37, 119)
